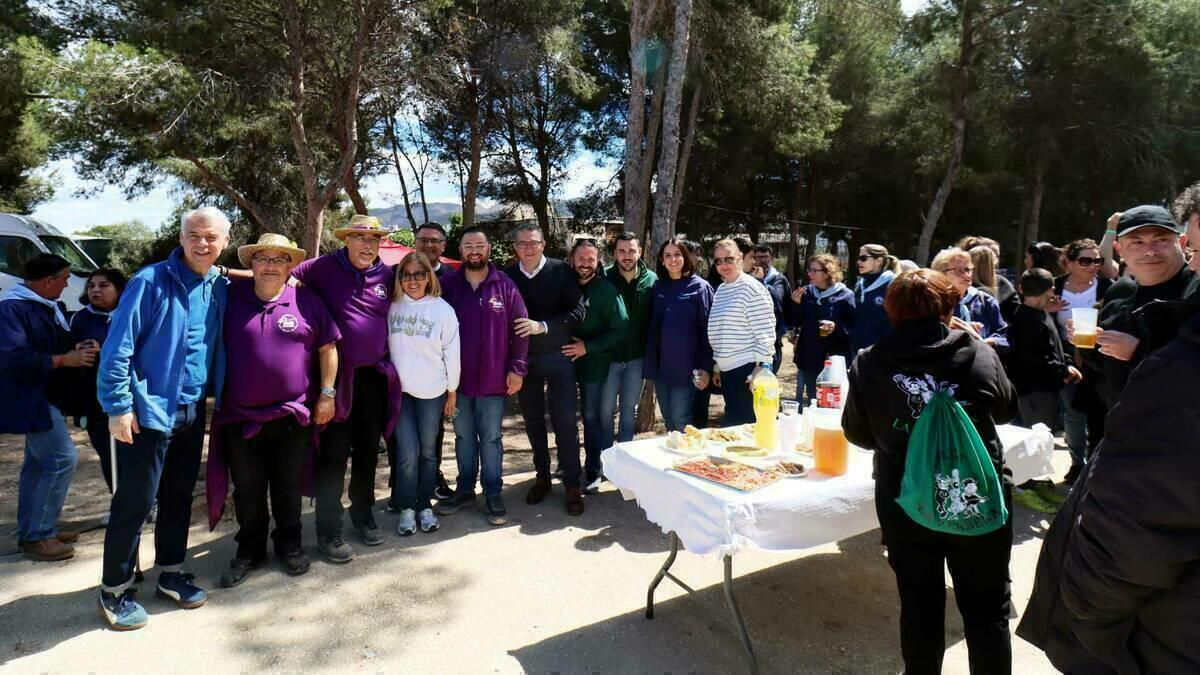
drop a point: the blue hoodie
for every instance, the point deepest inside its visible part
(838, 307)
(142, 362)
(677, 336)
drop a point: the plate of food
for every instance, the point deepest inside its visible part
(789, 469)
(727, 473)
(745, 451)
(738, 434)
(681, 444)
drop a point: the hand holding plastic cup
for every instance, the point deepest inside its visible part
(826, 328)
(1085, 326)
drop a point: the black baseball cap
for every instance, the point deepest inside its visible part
(1146, 215)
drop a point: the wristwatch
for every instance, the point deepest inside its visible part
(329, 392)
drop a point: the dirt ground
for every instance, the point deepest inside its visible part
(544, 594)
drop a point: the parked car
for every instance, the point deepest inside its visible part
(97, 248)
(22, 237)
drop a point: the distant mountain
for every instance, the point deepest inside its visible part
(394, 217)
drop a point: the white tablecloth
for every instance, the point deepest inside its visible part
(789, 515)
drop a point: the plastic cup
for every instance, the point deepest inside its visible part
(790, 407)
(1085, 326)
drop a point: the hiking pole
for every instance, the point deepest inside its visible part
(138, 577)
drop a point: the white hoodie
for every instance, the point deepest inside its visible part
(423, 341)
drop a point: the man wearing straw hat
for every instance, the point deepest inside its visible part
(163, 345)
(275, 335)
(356, 287)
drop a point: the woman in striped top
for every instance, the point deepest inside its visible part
(741, 330)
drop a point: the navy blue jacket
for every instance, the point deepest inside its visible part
(780, 289)
(677, 336)
(29, 339)
(812, 349)
(88, 324)
(871, 322)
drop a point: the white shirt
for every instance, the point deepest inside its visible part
(534, 273)
(423, 345)
(1076, 301)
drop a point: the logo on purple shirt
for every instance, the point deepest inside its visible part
(287, 323)
(380, 290)
(496, 303)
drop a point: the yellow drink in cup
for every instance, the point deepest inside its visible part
(1085, 326)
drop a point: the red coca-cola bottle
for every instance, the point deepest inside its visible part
(829, 387)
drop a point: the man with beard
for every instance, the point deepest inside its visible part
(494, 364)
(555, 305)
(634, 281)
(598, 338)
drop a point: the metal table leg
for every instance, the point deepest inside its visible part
(662, 572)
(737, 616)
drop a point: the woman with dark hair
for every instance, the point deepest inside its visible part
(678, 357)
(99, 299)
(876, 269)
(889, 387)
(822, 313)
(1045, 255)
(1081, 287)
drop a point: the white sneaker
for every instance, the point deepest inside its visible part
(408, 523)
(429, 522)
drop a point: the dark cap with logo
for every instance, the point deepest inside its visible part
(1147, 215)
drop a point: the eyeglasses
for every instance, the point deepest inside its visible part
(961, 271)
(1088, 261)
(430, 241)
(728, 260)
(866, 257)
(414, 276)
(816, 270)
(529, 244)
(263, 260)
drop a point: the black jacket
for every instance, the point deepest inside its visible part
(1118, 581)
(553, 296)
(1006, 296)
(890, 382)
(1036, 362)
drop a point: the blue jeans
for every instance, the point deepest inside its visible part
(806, 386)
(597, 429)
(625, 383)
(1075, 426)
(50, 458)
(675, 404)
(739, 401)
(477, 441)
(416, 447)
(162, 465)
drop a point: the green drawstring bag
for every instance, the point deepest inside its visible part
(950, 484)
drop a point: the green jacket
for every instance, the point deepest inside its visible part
(603, 330)
(637, 295)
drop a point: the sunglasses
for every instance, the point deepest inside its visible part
(816, 270)
(1088, 261)
(414, 276)
(728, 260)
(866, 257)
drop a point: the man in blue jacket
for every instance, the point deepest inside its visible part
(35, 396)
(163, 345)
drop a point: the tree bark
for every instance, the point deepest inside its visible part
(252, 210)
(471, 189)
(931, 218)
(637, 155)
(688, 136)
(1034, 224)
(394, 143)
(350, 184)
(668, 159)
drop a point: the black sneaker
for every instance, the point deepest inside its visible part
(1073, 474)
(368, 531)
(335, 549)
(295, 562)
(455, 504)
(558, 473)
(392, 508)
(495, 510)
(239, 569)
(442, 493)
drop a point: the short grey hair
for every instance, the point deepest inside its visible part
(209, 214)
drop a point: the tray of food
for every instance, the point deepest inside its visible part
(727, 473)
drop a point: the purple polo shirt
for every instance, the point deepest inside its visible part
(271, 347)
(358, 300)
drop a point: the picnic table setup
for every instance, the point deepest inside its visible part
(712, 501)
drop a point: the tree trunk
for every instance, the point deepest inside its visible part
(350, 185)
(929, 221)
(668, 160)
(641, 14)
(394, 143)
(471, 189)
(685, 155)
(796, 260)
(252, 210)
(1033, 225)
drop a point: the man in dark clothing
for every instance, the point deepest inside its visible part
(1118, 581)
(1037, 366)
(555, 305)
(781, 290)
(1148, 241)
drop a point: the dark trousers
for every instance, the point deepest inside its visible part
(551, 375)
(161, 465)
(355, 440)
(979, 568)
(271, 461)
(739, 401)
(97, 431)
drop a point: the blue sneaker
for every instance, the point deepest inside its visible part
(178, 586)
(121, 611)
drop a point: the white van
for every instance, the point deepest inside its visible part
(22, 237)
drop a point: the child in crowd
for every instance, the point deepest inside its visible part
(1037, 366)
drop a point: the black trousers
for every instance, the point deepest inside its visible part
(354, 440)
(979, 568)
(270, 462)
(552, 376)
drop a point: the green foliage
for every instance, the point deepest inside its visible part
(132, 241)
(403, 236)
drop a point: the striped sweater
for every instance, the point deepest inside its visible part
(741, 324)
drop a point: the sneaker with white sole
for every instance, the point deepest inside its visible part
(429, 522)
(121, 611)
(408, 523)
(178, 587)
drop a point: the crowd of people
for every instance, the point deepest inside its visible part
(312, 362)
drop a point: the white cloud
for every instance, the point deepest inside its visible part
(71, 213)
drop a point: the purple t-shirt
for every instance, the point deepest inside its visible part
(271, 347)
(358, 300)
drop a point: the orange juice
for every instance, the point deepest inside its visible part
(1085, 340)
(831, 452)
